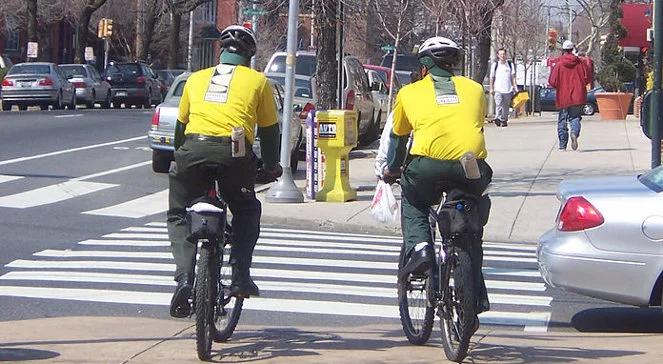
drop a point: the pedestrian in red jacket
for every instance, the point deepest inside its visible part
(569, 77)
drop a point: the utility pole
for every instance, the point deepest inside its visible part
(189, 55)
(254, 25)
(140, 29)
(568, 7)
(341, 39)
(312, 44)
(655, 113)
(545, 44)
(285, 190)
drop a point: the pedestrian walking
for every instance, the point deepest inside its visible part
(569, 77)
(502, 86)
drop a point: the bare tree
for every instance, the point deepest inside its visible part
(596, 13)
(83, 24)
(325, 38)
(518, 17)
(177, 8)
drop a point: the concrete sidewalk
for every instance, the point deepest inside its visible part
(137, 340)
(527, 169)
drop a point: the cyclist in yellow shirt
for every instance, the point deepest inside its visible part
(216, 102)
(445, 114)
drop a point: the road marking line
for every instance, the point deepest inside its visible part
(8, 178)
(51, 194)
(136, 236)
(111, 171)
(268, 286)
(119, 242)
(137, 208)
(304, 274)
(23, 159)
(68, 116)
(538, 322)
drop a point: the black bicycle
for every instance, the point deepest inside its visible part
(217, 312)
(449, 286)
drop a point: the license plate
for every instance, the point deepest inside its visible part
(165, 140)
(121, 93)
(25, 84)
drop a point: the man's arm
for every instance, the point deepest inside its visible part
(182, 118)
(400, 133)
(268, 126)
(553, 79)
(381, 158)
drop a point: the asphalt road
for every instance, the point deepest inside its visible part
(82, 233)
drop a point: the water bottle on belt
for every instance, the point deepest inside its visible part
(238, 142)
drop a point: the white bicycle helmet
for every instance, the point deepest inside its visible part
(240, 40)
(444, 52)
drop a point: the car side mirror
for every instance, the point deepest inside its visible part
(69, 77)
(297, 108)
(645, 118)
(375, 86)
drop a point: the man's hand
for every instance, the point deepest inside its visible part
(390, 176)
(274, 171)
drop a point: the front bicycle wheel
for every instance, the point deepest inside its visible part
(229, 308)
(458, 315)
(413, 304)
(205, 298)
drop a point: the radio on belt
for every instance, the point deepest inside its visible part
(337, 135)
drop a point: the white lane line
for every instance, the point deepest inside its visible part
(538, 322)
(296, 232)
(120, 242)
(136, 236)
(268, 286)
(277, 273)
(23, 159)
(68, 116)
(156, 224)
(137, 208)
(7, 178)
(523, 247)
(111, 171)
(262, 304)
(51, 194)
(331, 236)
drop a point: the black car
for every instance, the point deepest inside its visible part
(548, 94)
(133, 83)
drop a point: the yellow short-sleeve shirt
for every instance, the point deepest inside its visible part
(442, 129)
(237, 96)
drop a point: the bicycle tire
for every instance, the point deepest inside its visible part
(458, 315)
(227, 318)
(417, 331)
(205, 297)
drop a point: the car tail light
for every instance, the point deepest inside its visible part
(7, 82)
(307, 109)
(578, 214)
(140, 80)
(79, 84)
(350, 100)
(46, 82)
(155, 118)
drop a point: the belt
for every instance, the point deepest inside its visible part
(201, 137)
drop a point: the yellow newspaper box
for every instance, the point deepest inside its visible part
(337, 135)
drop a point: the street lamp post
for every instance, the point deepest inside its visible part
(654, 110)
(285, 190)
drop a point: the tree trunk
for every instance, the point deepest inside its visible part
(81, 34)
(174, 39)
(32, 20)
(150, 24)
(140, 30)
(325, 38)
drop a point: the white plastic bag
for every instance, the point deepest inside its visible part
(384, 207)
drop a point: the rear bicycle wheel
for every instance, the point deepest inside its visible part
(413, 305)
(229, 308)
(205, 299)
(457, 313)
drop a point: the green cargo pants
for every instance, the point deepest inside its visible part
(191, 179)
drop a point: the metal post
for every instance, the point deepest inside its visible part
(545, 44)
(254, 24)
(106, 49)
(312, 43)
(341, 36)
(189, 56)
(285, 190)
(568, 6)
(654, 110)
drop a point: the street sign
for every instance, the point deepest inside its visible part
(89, 53)
(387, 48)
(257, 11)
(33, 49)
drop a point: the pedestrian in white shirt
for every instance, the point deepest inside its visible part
(502, 86)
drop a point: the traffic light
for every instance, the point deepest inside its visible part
(109, 28)
(552, 38)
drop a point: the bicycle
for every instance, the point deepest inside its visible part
(420, 295)
(217, 312)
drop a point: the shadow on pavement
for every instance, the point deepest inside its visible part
(490, 353)
(89, 341)
(290, 342)
(605, 150)
(16, 354)
(619, 319)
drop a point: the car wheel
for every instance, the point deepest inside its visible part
(6, 106)
(588, 109)
(57, 105)
(117, 105)
(148, 100)
(72, 104)
(43, 107)
(23, 107)
(371, 133)
(161, 162)
(107, 102)
(90, 104)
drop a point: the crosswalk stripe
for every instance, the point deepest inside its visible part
(120, 242)
(531, 320)
(52, 194)
(169, 267)
(136, 236)
(111, 171)
(8, 178)
(137, 208)
(267, 286)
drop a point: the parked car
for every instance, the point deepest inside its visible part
(90, 87)
(37, 84)
(356, 89)
(405, 64)
(168, 76)
(133, 83)
(161, 135)
(607, 242)
(304, 92)
(386, 74)
(548, 94)
(380, 92)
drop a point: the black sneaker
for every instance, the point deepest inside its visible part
(498, 122)
(419, 261)
(179, 304)
(574, 142)
(504, 124)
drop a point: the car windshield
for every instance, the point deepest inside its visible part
(179, 89)
(306, 65)
(403, 62)
(302, 87)
(129, 68)
(653, 179)
(30, 69)
(74, 71)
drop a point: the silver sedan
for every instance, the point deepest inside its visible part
(37, 84)
(608, 242)
(90, 87)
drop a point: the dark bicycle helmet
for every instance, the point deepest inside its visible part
(240, 40)
(444, 52)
